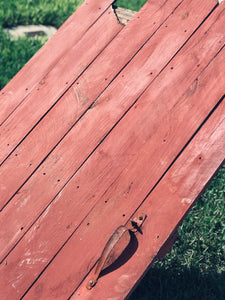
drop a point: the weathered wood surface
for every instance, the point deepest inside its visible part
(141, 118)
(65, 72)
(47, 57)
(176, 192)
(61, 169)
(80, 97)
(126, 192)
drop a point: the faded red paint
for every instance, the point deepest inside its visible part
(96, 178)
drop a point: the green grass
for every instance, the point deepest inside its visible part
(131, 4)
(14, 54)
(195, 266)
(24, 12)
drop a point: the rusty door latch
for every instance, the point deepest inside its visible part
(115, 246)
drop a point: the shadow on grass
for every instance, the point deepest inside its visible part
(169, 284)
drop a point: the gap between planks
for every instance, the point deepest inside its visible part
(30, 152)
(18, 89)
(84, 233)
(50, 90)
(10, 213)
(177, 192)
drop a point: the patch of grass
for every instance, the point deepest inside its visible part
(195, 266)
(15, 53)
(25, 12)
(190, 284)
(131, 4)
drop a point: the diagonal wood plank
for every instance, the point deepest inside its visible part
(57, 82)
(37, 145)
(24, 215)
(133, 164)
(47, 57)
(166, 207)
(128, 191)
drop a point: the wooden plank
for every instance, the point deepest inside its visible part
(53, 184)
(37, 145)
(166, 207)
(124, 15)
(48, 56)
(84, 183)
(56, 82)
(44, 184)
(127, 192)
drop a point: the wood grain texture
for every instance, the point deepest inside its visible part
(126, 193)
(166, 207)
(56, 82)
(80, 96)
(16, 91)
(126, 188)
(33, 198)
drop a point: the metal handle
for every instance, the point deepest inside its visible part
(115, 246)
